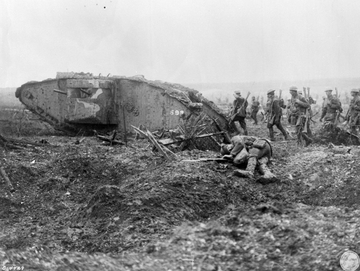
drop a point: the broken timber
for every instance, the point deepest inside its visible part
(169, 141)
(169, 155)
(111, 140)
(207, 160)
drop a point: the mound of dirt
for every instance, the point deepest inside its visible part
(336, 135)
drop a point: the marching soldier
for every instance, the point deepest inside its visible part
(331, 108)
(353, 115)
(254, 109)
(239, 112)
(274, 114)
(297, 107)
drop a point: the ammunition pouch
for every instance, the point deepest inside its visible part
(330, 116)
(259, 143)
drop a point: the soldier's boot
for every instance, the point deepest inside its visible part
(271, 133)
(267, 175)
(308, 140)
(309, 133)
(249, 171)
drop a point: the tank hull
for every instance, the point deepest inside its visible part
(78, 101)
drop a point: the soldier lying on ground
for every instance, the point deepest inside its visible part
(251, 150)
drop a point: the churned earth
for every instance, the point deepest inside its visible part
(90, 206)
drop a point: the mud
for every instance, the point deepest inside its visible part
(85, 206)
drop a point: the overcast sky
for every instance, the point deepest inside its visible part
(182, 41)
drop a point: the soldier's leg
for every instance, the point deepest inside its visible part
(271, 131)
(251, 164)
(281, 128)
(243, 125)
(301, 134)
(308, 129)
(254, 117)
(254, 155)
(249, 171)
(267, 175)
(233, 125)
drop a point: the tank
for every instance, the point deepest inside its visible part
(78, 101)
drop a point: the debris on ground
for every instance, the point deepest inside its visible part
(81, 206)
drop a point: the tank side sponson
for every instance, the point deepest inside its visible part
(147, 106)
(90, 101)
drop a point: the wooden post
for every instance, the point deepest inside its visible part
(124, 124)
(7, 180)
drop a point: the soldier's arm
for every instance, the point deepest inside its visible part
(302, 102)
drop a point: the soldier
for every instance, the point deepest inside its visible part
(254, 109)
(239, 112)
(308, 111)
(353, 115)
(274, 114)
(297, 108)
(331, 108)
(254, 151)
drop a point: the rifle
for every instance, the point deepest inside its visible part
(346, 116)
(241, 107)
(305, 94)
(207, 160)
